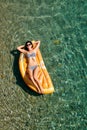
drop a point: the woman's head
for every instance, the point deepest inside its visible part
(27, 44)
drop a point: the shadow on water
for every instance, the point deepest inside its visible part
(17, 74)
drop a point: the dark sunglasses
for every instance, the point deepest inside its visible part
(29, 44)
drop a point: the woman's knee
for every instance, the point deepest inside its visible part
(31, 77)
(35, 77)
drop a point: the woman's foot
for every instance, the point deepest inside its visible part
(41, 90)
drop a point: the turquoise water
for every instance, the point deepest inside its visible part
(61, 25)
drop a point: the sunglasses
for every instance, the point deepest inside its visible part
(29, 44)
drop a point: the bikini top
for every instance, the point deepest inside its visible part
(31, 55)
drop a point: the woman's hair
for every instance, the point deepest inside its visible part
(26, 45)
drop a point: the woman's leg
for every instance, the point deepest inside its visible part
(36, 70)
(30, 73)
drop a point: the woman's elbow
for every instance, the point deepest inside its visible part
(38, 43)
(18, 48)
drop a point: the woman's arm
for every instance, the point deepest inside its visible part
(21, 49)
(37, 45)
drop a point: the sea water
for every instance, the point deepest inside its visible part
(61, 26)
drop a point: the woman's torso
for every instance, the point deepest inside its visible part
(31, 59)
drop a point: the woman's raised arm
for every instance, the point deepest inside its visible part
(21, 49)
(37, 45)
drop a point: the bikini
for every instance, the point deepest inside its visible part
(31, 55)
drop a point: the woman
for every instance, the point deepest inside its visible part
(32, 67)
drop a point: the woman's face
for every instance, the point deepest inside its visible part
(29, 46)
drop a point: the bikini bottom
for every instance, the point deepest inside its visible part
(32, 67)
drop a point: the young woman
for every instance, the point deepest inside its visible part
(32, 67)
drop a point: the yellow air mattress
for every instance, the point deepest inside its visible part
(43, 74)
